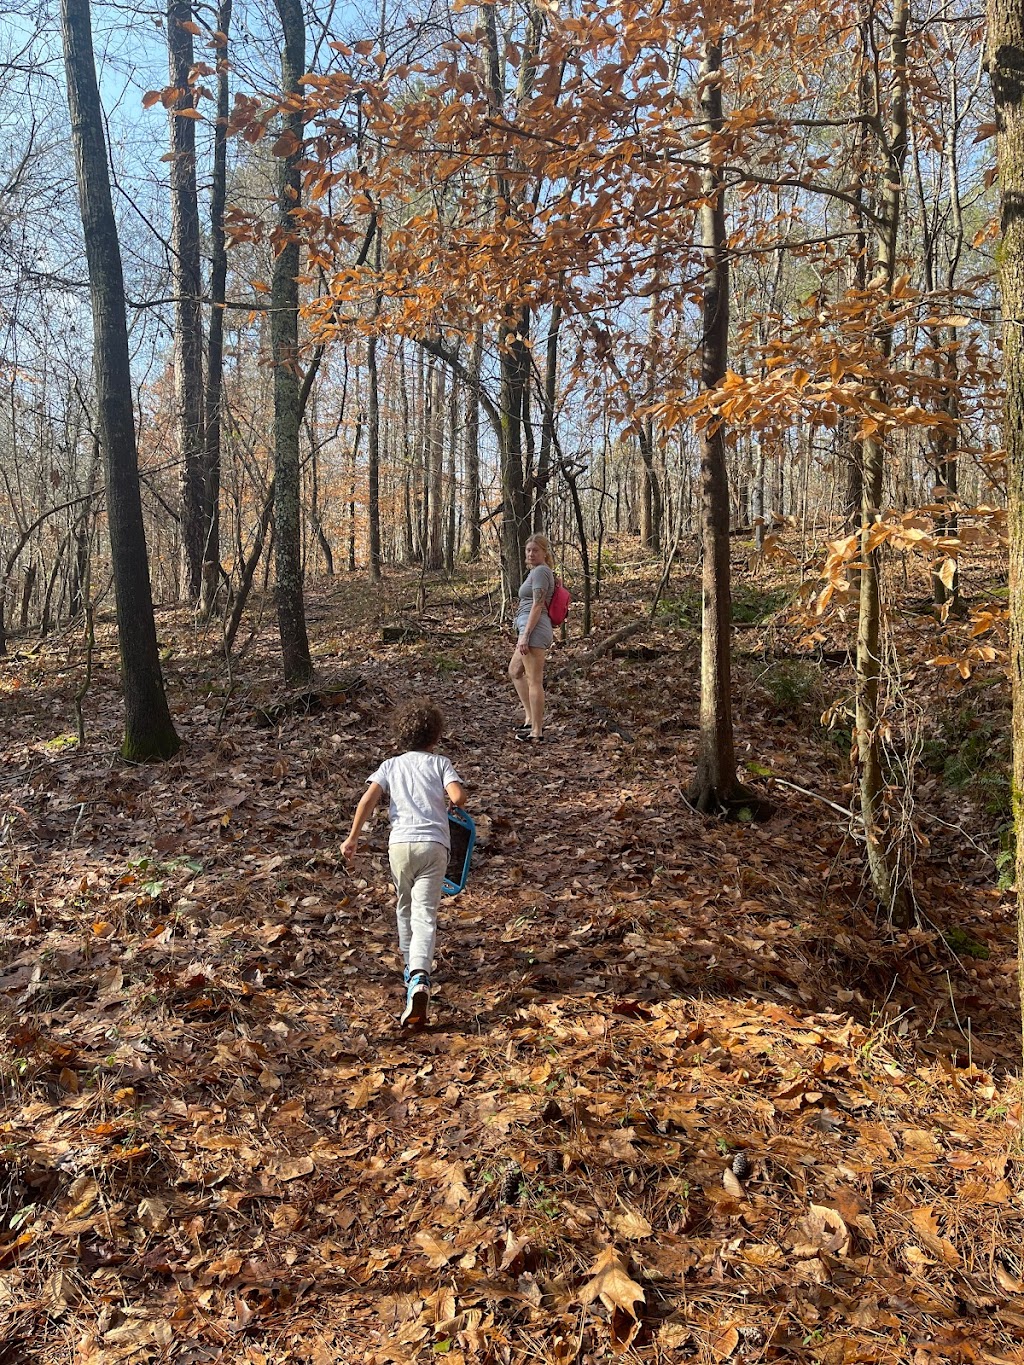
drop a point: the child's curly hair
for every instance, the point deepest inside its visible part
(417, 724)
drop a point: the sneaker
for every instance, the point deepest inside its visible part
(417, 998)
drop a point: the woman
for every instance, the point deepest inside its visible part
(535, 634)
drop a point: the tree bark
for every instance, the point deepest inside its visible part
(888, 865)
(513, 353)
(373, 458)
(284, 335)
(215, 339)
(542, 496)
(652, 512)
(434, 559)
(187, 277)
(714, 785)
(1005, 61)
(472, 501)
(149, 732)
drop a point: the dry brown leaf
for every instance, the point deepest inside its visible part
(733, 1185)
(724, 1342)
(82, 1194)
(291, 1167)
(287, 1217)
(611, 1283)
(675, 1335)
(921, 1146)
(622, 1328)
(153, 1214)
(821, 1229)
(365, 1090)
(927, 1226)
(438, 1253)
(631, 1225)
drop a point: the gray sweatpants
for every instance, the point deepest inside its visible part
(418, 871)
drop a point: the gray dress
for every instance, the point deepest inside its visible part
(539, 583)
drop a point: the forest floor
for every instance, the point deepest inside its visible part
(683, 1095)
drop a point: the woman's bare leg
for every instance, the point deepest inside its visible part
(517, 672)
(534, 705)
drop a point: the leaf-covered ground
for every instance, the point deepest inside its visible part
(682, 1097)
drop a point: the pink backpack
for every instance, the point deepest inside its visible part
(558, 607)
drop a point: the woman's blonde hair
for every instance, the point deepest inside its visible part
(544, 545)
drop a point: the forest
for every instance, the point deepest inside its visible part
(312, 317)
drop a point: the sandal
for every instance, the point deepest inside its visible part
(525, 737)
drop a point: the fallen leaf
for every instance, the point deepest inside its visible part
(724, 1342)
(291, 1167)
(153, 1214)
(821, 1229)
(733, 1185)
(82, 1194)
(611, 1283)
(631, 1225)
(438, 1253)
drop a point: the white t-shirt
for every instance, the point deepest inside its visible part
(415, 783)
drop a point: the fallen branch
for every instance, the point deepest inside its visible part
(584, 661)
(804, 792)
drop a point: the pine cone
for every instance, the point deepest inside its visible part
(511, 1184)
(741, 1166)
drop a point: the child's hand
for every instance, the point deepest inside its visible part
(349, 847)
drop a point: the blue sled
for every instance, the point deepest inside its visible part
(463, 837)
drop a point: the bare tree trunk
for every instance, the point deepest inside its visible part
(284, 334)
(407, 458)
(652, 506)
(514, 362)
(886, 855)
(373, 438)
(215, 340)
(46, 615)
(188, 286)
(714, 785)
(542, 496)
(149, 731)
(513, 354)
(434, 558)
(27, 589)
(1005, 61)
(373, 458)
(861, 156)
(451, 517)
(946, 589)
(472, 502)
(248, 572)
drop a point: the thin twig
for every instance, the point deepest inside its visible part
(817, 797)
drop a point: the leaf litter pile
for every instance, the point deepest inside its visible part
(681, 1097)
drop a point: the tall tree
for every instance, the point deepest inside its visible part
(513, 329)
(886, 855)
(471, 511)
(1005, 59)
(284, 336)
(215, 341)
(149, 732)
(186, 274)
(714, 784)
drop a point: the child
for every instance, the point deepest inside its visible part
(419, 784)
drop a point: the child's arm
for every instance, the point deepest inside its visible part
(456, 793)
(368, 804)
